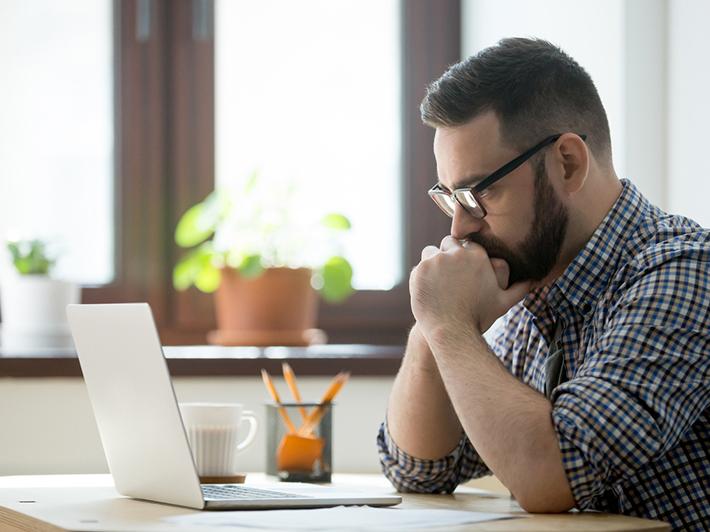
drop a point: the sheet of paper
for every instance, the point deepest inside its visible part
(338, 518)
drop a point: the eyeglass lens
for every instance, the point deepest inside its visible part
(468, 200)
(465, 197)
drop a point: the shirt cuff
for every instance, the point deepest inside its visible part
(587, 477)
(410, 474)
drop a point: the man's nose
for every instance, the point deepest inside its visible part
(464, 223)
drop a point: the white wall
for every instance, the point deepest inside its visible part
(48, 425)
(575, 27)
(644, 56)
(649, 61)
(689, 110)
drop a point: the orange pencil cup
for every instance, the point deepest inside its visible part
(303, 456)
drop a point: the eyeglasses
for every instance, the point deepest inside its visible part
(470, 197)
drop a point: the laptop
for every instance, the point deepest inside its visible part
(141, 430)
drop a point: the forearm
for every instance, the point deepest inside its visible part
(508, 423)
(420, 416)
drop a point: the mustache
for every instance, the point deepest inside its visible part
(494, 247)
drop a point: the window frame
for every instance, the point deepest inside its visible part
(165, 145)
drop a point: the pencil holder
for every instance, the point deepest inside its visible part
(303, 456)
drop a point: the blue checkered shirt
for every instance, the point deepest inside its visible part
(633, 417)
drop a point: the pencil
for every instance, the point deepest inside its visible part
(290, 378)
(275, 396)
(316, 415)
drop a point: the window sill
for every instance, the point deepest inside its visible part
(200, 361)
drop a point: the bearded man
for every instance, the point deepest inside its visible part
(594, 391)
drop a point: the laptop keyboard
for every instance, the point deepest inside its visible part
(232, 492)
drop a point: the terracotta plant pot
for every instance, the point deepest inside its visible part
(276, 308)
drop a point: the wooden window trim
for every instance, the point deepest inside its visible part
(165, 163)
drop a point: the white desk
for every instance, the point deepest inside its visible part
(90, 502)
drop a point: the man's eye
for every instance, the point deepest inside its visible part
(490, 192)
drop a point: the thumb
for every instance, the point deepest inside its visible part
(429, 251)
(502, 271)
(515, 293)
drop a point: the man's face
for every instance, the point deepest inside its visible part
(526, 221)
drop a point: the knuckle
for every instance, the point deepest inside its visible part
(445, 241)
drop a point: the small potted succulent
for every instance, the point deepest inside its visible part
(264, 255)
(32, 302)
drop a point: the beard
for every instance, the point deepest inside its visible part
(539, 250)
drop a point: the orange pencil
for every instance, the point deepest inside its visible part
(314, 417)
(275, 396)
(290, 378)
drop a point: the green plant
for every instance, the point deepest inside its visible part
(256, 225)
(30, 257)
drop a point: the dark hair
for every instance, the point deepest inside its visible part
(534, 88)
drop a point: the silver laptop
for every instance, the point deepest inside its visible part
(141, 429)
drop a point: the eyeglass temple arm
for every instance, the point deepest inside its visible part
(520, 159)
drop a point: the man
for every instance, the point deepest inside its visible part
(594, 392)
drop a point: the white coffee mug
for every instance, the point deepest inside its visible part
(214, 431)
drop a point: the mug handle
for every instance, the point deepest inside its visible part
(248, 415)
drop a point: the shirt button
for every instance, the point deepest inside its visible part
(586, 308)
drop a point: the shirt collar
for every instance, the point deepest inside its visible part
(587, 276)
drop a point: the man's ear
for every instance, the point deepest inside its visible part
(572, 155)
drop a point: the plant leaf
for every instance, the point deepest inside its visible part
(208, 278)
(187, 232)
(199, 221)
(336, 221)
(251, 266)
(337, 274)
(30, 257)
(251, 181)
(186, 270)
(14, 250)
(190, 267)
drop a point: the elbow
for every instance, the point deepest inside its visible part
(546, 502)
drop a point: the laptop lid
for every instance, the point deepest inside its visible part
(139, 421)
(134, 403)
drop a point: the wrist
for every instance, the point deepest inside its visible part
(418, 352)
(453, 334)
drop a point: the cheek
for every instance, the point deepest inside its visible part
(521, 212)
(508, 234)
(512, 228)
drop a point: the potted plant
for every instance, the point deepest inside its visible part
(32, 302)
(265, 255)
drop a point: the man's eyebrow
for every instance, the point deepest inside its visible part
(467, 182)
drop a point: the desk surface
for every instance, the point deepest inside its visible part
(89, 502)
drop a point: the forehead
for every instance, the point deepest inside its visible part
(467, 153)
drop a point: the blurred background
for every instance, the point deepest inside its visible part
(118, 115)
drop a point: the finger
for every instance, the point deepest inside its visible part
(502, 271)
(429, 252)
(515, 293)
(469, 244)
(449, 242)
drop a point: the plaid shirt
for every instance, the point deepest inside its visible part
(633, 417)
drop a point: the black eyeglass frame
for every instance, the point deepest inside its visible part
(461, 195)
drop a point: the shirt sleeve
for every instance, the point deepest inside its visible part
(410, 474)
(643, 384)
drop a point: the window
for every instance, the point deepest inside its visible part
(170, 103)
(56, 132)
(309, 92)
